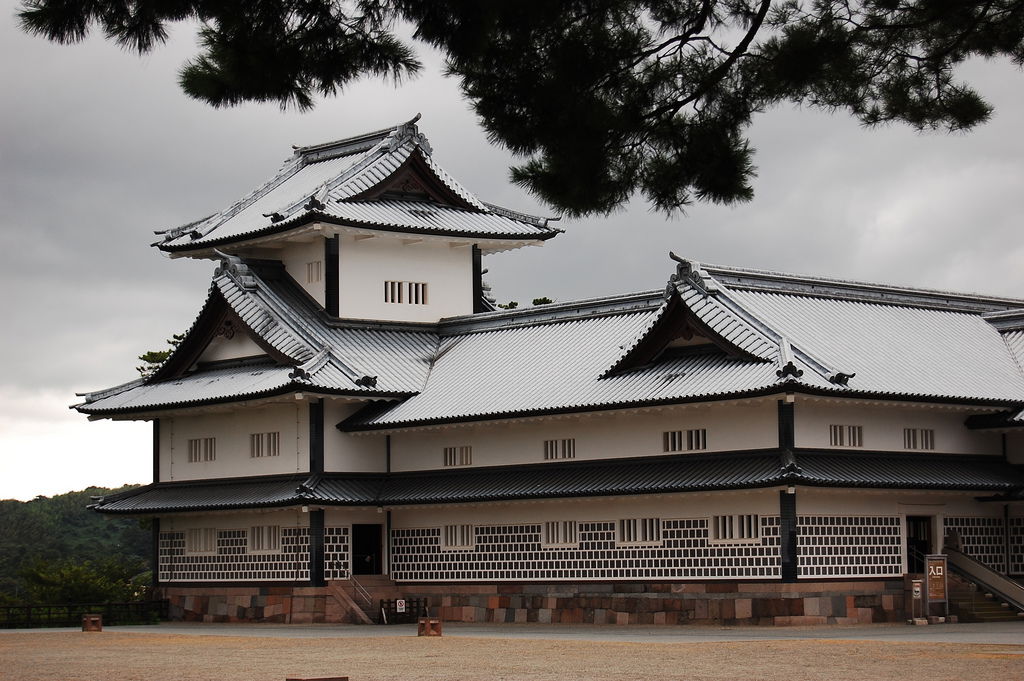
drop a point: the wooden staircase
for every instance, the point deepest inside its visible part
(974, 605)
(362, 594)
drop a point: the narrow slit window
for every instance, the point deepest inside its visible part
(202, 449)
(560, 533)
(314, 271)
(743, 527)
(639, 531)
(458, 456)
(265, 539)
(201, 540)
(405, 292)
(264, 444)
(918, 438)
(458, 536)
(845, 436)
(560, 449)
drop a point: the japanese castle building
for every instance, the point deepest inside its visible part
(737, 446)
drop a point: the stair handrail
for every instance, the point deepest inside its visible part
(361, 590)
(994, 582)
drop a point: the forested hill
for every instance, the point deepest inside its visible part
(60, 529)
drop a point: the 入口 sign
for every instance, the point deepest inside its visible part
(935, 574)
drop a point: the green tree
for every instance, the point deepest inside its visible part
(49, 530)
(600, 98)
(110, 580)
(152, 359)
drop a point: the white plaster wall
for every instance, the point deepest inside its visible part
(600, 435)
(763, 502)
(296, 255)
(236, 347)
(884, 424)
(235, 521)
(347, 453)
(232, 430)
(365, 265)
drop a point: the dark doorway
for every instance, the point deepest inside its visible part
(919, 541)
(366, 550)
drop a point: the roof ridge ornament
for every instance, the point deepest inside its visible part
(689, 271)
(234, 267)
(788, 366)
(408, 132)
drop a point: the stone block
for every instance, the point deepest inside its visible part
(521, 615)
(743, 607)
(493, 602)
(497, 615)
(728, 606)
(660, 618)
(544, 615)
(622, 618)
(700, 609)
(722, 587)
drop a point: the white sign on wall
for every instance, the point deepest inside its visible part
(400, 605)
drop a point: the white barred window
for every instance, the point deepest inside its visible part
(202, 449)
(458, 536)
(314, 271)
(560, 533)
(560, 449)
(410, 292)
(265, 539)
(845, 436)
(201, 540)
(745, 527)
(639, 530)
(264, 444)
(918, 438)
(458, 456)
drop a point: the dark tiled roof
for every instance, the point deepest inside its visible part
(654, 475)
(908, 471)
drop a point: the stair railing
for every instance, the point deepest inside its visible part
(361, 591)
(994, 582)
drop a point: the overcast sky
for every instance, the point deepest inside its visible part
(98, 148)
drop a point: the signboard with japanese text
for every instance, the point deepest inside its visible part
(935, 576)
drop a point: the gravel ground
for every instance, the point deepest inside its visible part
(113, 656)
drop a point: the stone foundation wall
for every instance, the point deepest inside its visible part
(281, 604)
(728, 603)
(767, 603)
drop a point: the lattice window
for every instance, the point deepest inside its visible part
(202, 449)
(230, 562)
(458, 456)
(264, 444)
(846, 436)
(639, 531)
(560, 449)
(200, 540)
(560, 533)
(314, 271)
(980, 538)
(918, 438)
(849, 546)
(265, 539)
(458, 536)
(735, 528)
(407, 292)
(517, 553)
(688, 440)
(1016, 529)
(336, 553)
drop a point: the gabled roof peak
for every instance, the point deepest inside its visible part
(397, 136)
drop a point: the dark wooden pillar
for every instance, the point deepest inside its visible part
(316, 548)
(331, 275)
(316, 437)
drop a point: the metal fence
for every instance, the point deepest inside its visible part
(403, 611)
(70, 614)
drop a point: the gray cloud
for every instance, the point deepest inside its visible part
(100, 148)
